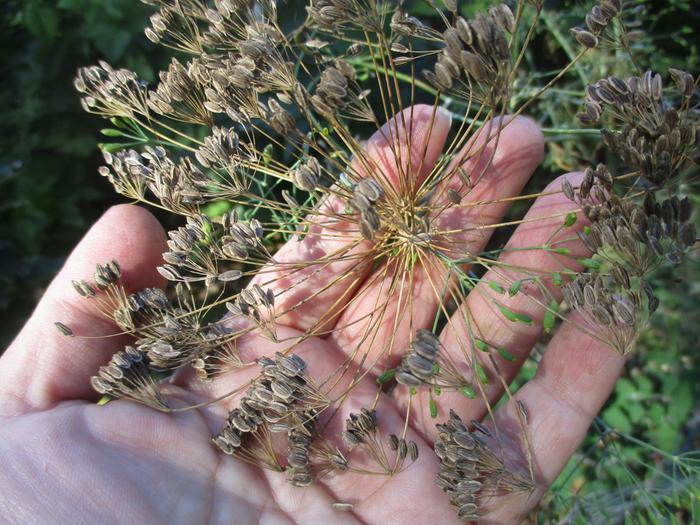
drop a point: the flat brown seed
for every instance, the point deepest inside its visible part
(413, 450)
(65, 330)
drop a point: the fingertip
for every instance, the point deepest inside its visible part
(424, 113)
(421, 128)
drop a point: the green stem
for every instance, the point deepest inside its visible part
(572, 131)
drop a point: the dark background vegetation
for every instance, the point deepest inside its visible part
(50, 193)
(49, 190)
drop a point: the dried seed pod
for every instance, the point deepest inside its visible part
(393, 442)
(230, 275)
(291, 365)
(84, 289)
(443, 77)
(684, 81)
(413, 450)
(405, 377)
(585, 38)
(568, 189)
(473, 65)
(464, 31)
(350, 438)
(503, 16)
(464, 440)
(370, 189)
(64, 329)
(282, 390)
(402, 449)
(107, 275)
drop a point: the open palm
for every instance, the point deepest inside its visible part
(66, 460)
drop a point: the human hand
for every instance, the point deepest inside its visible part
(65, 459)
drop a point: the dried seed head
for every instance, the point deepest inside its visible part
(469, 470)
(127, 376)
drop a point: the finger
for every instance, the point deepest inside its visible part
(573, 381)
(394, 301)
(314, 277)
(480, 317)
(42, 367)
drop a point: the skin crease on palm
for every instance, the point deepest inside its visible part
(64, 459)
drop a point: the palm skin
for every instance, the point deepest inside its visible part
(64, 459)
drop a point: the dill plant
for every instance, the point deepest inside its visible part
(392, 248)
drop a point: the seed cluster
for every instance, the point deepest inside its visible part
(637, 236)
(362, 431)
(360, 428)
(423, 365)
(108, 91)
(480, 49)
(597, 20)
(633, 239)
(366, 194)
(167, 336)
(282, 400)
(419, 364)
(179, 96)
(620, 312)
(176, 185)
(106, 276)
(307, 175)
(198, 250)
(171, 25)
(300, 438)
(469, 470)
(127, 375)
(338, 93)
(330, 14)
(257, 305)
(656, 138)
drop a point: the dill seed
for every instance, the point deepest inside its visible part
(65, 330)
(413, 450)
(230, 275)
(393, 442)
(585, 38)
(402, 449)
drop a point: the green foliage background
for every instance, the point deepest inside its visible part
(49, 191)
(630, 468)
